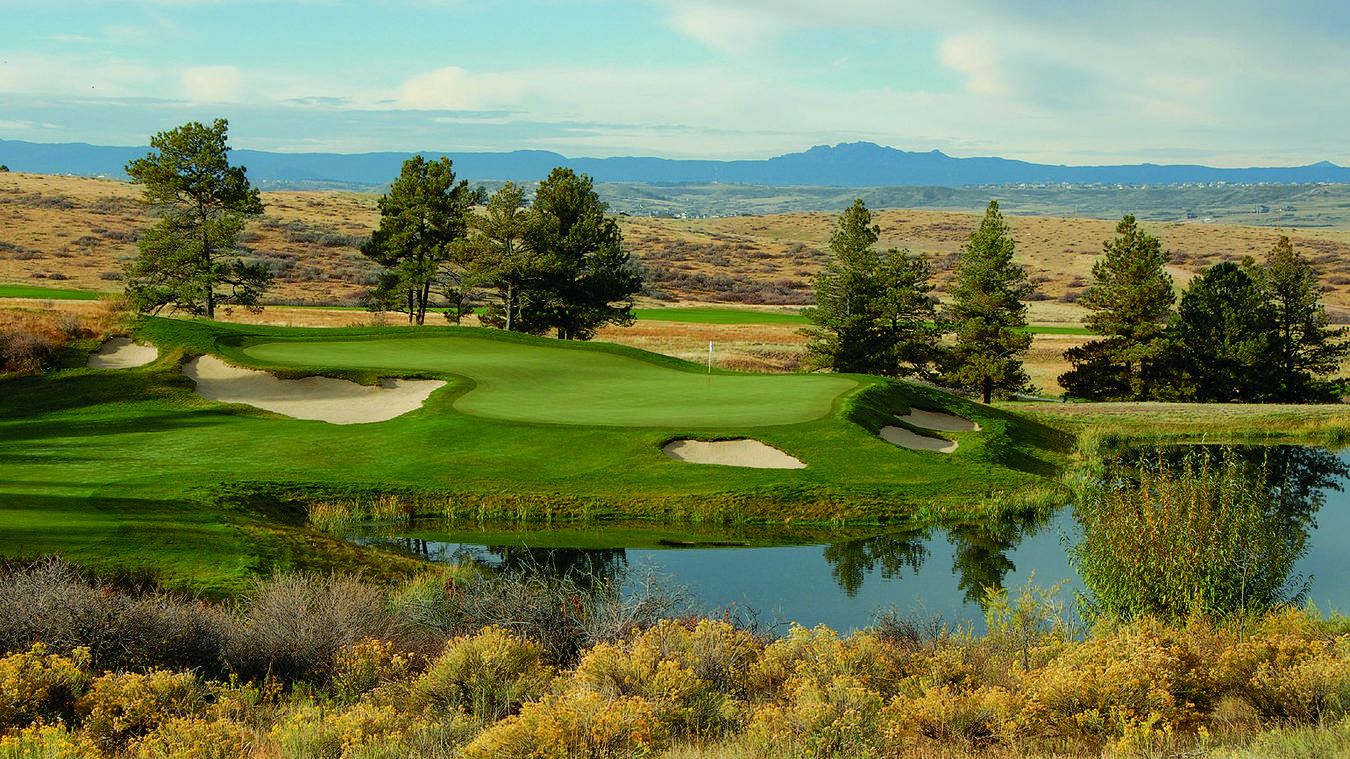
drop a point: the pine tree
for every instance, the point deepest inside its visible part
(186, 259)
(1224, 328)
(423, 225)
(581, 274)
(1130, 299)
(1304, 347)
(988, 313)
(873, 314)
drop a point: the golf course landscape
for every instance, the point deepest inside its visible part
(129, 468)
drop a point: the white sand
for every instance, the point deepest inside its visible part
(122, 353)
(909, 439)
(322, 398)
(936, 420)
(743, 452)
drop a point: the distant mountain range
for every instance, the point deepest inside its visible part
(858, 164)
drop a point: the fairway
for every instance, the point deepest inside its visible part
(535, 383)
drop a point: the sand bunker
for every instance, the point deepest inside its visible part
(907, 438)
(936, 420)
(322, 398)
(743, 452)
(122, 353)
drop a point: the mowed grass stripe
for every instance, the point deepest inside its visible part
(536, 383)
(47, 293)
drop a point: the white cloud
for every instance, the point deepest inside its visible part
(972, 55)
(213, 84)
(456, 89)
(727, 28)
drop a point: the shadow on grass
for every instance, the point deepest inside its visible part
(57, 429)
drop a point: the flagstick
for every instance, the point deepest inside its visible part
(709, 363)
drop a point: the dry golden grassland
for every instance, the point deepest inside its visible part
(77, 232)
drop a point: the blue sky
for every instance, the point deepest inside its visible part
(1232, 83)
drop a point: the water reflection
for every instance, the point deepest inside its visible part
(821, 577)
(1212, 529)
(853, 560)
(1297, 477)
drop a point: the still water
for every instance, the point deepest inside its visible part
(932, 573)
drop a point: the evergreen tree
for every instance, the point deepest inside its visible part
(501, 258)
(988, 313)
(185, 259)
(1224, 332)
(1304, 347)
(581, 277)
(1130, 299)
(873, 313)
(420, 240)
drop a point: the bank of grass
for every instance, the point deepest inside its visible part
(1102, 427)
(129, 467)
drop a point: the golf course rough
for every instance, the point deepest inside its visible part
(560, 385)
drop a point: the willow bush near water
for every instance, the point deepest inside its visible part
(1201, 536)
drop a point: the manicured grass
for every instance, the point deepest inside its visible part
(49, 293)
(130, 467)
(552, 383)
(718, 316)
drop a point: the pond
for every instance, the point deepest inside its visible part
(845, 580)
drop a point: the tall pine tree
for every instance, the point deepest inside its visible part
(872, 314)
(1304, 348)
(988, 314)
(187, 259)
(420, 240)
(1130, 299)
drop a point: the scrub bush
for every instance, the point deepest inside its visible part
(842, 717)
(52, 601)
(293, 626)
(488, 675)
(124, 705)
(37, 686)
(195, 737)
(1139, 674)
(965, 718)
(368, 665)
(579, 723)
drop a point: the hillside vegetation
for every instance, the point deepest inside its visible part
(73, 232)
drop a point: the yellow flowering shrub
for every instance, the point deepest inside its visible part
(969, 718)
(685, 703)
(40, 741)
(489, 674)
(1137, 674)
(820, 654)
(38, 686)
(579, 723)
(195, 738)
(313, 731)
(840, 718)
(368, 665)
(123, 705)
(713, 650)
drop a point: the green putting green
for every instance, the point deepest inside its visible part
(535, 383)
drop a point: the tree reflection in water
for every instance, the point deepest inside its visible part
(979, 559)
(1213, 529)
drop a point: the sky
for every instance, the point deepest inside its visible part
(1227, 83)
